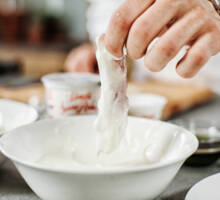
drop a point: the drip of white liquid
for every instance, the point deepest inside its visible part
(111, 122)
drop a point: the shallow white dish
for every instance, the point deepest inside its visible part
(208, 188)
(146, 105)
(15, 114)
(24, 146)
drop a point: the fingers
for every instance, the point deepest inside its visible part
(121, 22)
(148, 26)
(174, 39)
(81, 59)
(198, 55)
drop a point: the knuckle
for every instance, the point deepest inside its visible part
(188, 1)
(199, 11)
(171, 1)
(137, 41)
(137, 32)
(141, 30)
(168, 48)
(174, 3)
(145, 22)
(199, 58)
(119, 19)
(214, 30)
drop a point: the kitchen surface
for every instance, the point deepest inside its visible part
(76, 122)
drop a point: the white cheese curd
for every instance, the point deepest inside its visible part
(115, 141)
(140, 146)
(111, 122)
(158, 142)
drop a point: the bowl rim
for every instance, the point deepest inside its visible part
(31, 109)
(95, 171)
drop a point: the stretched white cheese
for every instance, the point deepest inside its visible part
(159, 139)
(111, 122)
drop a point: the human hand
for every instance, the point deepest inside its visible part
(81, 59)
(178, 23)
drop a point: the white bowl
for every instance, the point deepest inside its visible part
(207, 188)
(146, 105)
(24, 146)
(15, 114)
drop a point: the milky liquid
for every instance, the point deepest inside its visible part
(111, 121)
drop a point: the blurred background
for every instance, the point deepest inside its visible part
(35, 36)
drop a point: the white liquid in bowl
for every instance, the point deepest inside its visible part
(70, 144)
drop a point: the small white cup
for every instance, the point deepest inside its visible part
(146, 105)
(71, 93)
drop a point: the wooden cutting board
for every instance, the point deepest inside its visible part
(23, 94)
(34, 62)
(180, 97)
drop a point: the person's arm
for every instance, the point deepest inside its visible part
(178, 22)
